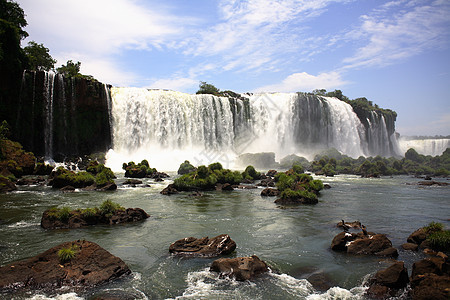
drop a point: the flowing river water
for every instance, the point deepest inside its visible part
(294, 241)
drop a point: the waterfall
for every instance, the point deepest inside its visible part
(167, 127)
(48, 129)
(425, 146)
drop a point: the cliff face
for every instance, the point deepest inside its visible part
(59, 117)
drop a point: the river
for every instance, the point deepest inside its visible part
(294, 241)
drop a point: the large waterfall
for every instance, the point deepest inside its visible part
(167, 127)
(426, 146)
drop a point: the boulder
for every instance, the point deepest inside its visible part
(272, 173)
(433, 183)
(410, 246)
(205, 247)
(369, 244)
(361, 244)
(169, 190)
(240, 268)
(6, 185)
(418, 236)
(91, 265)
(224, 187)
(354, 224)
(387, 282)
(430, 278)
(267, 182)
(431, 286)
(270, 192)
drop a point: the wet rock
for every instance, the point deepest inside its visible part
(169, 190)
(410, 246)
(224, 187)
(206, 247)
(269, 192)
(240, 268)
(91, 265)
(132, 182)
(196, 194)
(326, 186)
(361, 244)
(418, 236)
(30, 180)
(431, 286)
(387, 282)
(430, 278)
(433, 183)
(268, 182)
(108, 187)
(6, 185)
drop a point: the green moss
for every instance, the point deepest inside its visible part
(67, 254)
(140, 170)
(440, 240)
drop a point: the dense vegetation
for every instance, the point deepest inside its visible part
(206, 178)
(332, 162)
(106, 209)
(297, 187)
(140, 170)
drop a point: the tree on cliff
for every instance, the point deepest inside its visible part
(39, 57)
(207, 88)
(72, 69)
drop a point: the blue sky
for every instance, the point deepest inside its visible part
(395, 53)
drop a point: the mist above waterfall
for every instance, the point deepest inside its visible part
(167, 127)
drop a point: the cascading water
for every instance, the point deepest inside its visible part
(48, 129)
(167, 127)
(431, 147)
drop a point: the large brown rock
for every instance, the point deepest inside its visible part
(430, 278)
(77, 219)
(418, 236)
(240, 268)
(369, 244)
(91, 265)
(387, 282)
(6, 185)
(191, 246)
(270, 192)
(431, 286)
(361, 244)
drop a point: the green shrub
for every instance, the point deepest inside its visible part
(109, 207)
(185, 168)
(307, 196)
(433, 227)
(215, 166)
(104, 177)
(89, 213)
(67, 254)
(440, 240)
(64, 213)
(298, 169)
(250, 173)
(284, 181)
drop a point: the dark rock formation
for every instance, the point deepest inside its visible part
(270, 192)
(224, 187)
(433, 183)
(410, 246)
(272, 173)
(267, 182)
(387, 282)
(79, 123)
(92, 265)
(169, 190)
(79, 219)
(31, 180)
(430, 279)
(6, 185)
(361, 244)
(296, 200)
(191, 246)
(240, 268)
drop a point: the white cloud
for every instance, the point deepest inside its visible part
(100, 26)
(305, 82)
(390, 37)
(254, 34)
(176, 84)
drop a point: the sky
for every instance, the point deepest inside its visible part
(394, 53)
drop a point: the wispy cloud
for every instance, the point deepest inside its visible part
(254, 34)
(392, 36)
(306, 82)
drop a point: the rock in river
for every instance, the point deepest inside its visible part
(191, 246)
(91, 265)
(240, 268)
